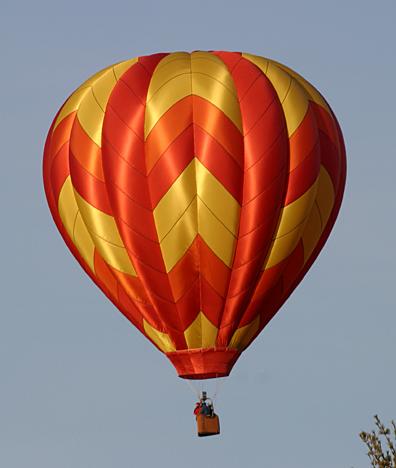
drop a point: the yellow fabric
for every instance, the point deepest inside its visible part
(105, 235)
(217, 198)
(72, 221)
(175, 244)
(291, 94)
(122, 67)
(71, 105)
(171, 66)
(175, 201)
(194, 181)
(90, 116)
(102, 88)
(162, 340)
(83, 242)
(91, 109)
(212, 81)
(196, 203)
(201, 333)
(320, 214)
(91, 98)
(215, 234)
(312, 232)
(242, 336)
(293, 214)
(313, 93)
(74, 100)
(171, 82)
(210, 65)
(292, 222)
(295, 106)
(325, 196)
(179, 75)
(261, 62)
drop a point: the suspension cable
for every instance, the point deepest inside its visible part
(219, 385)
(193, 388)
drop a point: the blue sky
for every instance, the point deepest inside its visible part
(79, 387)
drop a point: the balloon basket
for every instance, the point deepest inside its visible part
(208, 425)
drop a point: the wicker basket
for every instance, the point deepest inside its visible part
(208, 425)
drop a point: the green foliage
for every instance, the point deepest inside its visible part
(381, 444)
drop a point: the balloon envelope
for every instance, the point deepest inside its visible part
(196, 190)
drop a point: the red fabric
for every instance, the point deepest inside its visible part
(203, 363)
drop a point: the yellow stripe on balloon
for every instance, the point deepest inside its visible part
(326, 195)
(73, 223)
(104, 232)
(196, 180)
(171, 66)
(120, 68)
(175, 201)
(212, 81)
(90, 99)
(313, 93)
(90, 112)
(83, 241)
(217, 198)
(91, 116)
(175, 244)
(181, 74)
(291, 226)
(73, 103)
(201, 333)
(293, 214)
(162, 340)
(312, 232)
(215, 234)
(102, 88)
(218, 238)
(295, 106)
(196, 203)
(242, 336)
(291, 94)
(320, 214)
(261, 62)
(170, 82)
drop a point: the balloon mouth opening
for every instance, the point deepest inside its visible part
(207, 363)
(203, 376)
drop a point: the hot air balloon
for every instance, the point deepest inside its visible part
(196, 190)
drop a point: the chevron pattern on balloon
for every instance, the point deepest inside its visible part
(196, 190)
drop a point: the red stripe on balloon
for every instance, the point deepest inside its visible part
(280, 294)
(216, 124)
(105, 275)
(221, 165)
(302, 178)
(55, 169)
(59, 170)
(305, 157)
(125, 169)
(61, 134)
(171, 164)
(265, 164)
(88, 153)
(172, 124)
(212, 269)
(93, 190)
(304, 139)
